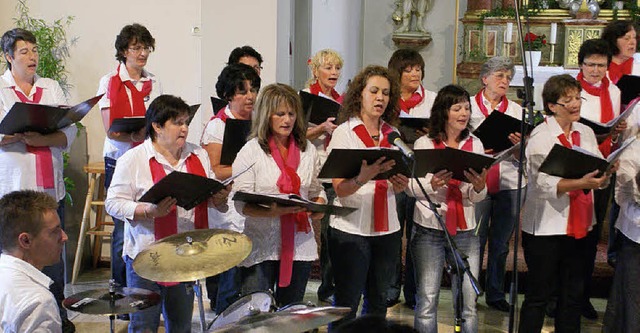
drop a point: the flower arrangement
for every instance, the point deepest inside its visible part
(537, 42)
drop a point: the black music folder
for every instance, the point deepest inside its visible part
(346, 163)
(188, 189)
(495, 129)
(574, 163)
(217, 104)
(44, 119)
(451, 159)
(629, 86)
(317, 108)
(236, 132)
(409, 125)
(291, 200)
(601, 129)
(128, 124)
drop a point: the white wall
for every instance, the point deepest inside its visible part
(337, 24)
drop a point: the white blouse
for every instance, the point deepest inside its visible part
(425, 217)
(545, 212)
(264, 232)
(508, 167)
(628, 194)
(17, 166)
(361, 221)
(112, 148)
(132, 178)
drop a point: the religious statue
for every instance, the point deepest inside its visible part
(408, 11)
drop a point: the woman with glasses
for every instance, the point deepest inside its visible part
(601, 103)
(559, 212)
(497, 213)
(128, 91)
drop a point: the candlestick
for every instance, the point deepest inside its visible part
(507, 38)
(553, 34)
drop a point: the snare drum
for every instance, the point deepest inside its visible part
(247, 305)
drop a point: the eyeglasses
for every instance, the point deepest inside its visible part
(138, 49)
(502, 76)
(594, 65)
(581, 99)
(257, 67)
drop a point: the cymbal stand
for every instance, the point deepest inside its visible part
(112, 302)
(197, 288)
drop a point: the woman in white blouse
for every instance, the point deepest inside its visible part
(165, 150)
(32, 161)
(364, 245)
(281, 161)
(449, 127)
(558, 212)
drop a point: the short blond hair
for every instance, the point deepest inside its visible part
(322, 57)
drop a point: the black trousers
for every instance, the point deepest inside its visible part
(623, 307)
(362, 263)
(554, 263)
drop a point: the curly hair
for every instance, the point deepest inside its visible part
(132, 33)
(231, 80)
(270, 98)
(352, 104)
(446, 98)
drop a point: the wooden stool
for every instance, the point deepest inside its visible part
(95, 171)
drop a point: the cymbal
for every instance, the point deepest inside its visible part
(98, 302)
(192, 255)
(288, 321)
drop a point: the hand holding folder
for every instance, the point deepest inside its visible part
(291, 200)
(574, 163)
(188, 189)
(495, 129)
(604, 129)
(44, 119)
(346, 163)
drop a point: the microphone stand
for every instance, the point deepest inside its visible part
(460, 264)
(527, 109)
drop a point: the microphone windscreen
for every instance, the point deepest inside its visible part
(392, 137)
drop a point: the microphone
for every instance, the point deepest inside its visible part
(394, 139)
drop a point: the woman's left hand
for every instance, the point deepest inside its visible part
(219, 199)
(399, 182)
(478, 180)
(515, 138)
(33, 139)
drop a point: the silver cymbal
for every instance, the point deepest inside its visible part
(192, 255)
(100, 302)
(288, 321)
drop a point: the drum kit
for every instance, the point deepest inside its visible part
(190, 257)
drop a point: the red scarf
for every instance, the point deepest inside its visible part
(44, 159)
(616, 71)
(411, 103)
(580, 204)
(222, 115)
(493, 176)
(288, 182)
(119, 100)
(606, 107)
(455, 208)
(380, 206)
(315, 89)
(168, 225)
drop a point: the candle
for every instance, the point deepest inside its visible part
(507, 38)
(554, 32)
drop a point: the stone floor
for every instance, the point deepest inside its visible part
(490, 320)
